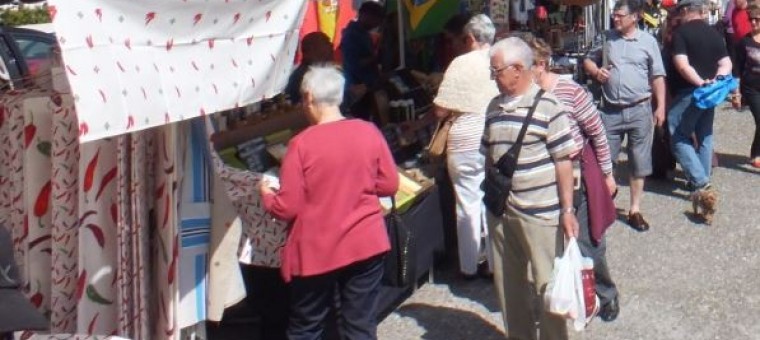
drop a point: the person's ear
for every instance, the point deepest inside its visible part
(307, 98)
(469, 39)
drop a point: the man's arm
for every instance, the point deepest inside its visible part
(724, 66)
(658, 89)
(564, 172)
(681, 62)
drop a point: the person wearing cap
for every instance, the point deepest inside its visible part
(629, 67)
(699, 57)
(16, 312)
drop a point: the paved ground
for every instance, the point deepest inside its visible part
(680, 280)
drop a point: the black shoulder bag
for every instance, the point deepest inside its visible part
(498, 180)
(400, 261)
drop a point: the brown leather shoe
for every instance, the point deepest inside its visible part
(636, 221)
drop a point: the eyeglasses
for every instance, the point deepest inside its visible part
(495, 71)
(754, 19)
(620, 16)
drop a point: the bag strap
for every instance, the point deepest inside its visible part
(393, 204)
(523, 130)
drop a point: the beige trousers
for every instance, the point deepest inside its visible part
(521, 243)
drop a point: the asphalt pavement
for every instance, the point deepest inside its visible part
(680, 280)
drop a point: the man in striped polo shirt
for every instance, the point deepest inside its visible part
(540, 207)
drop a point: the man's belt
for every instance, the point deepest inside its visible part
(614, 106)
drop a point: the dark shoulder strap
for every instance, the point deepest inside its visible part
(528, 118)
(515, 149)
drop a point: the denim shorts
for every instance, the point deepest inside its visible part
(637, 123)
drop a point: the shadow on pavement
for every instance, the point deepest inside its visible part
(449, 323)
(736, 162)
(480, 290)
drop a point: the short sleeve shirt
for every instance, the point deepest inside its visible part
(549, 137)
(704, 47)
(634, 63)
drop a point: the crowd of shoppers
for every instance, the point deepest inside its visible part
(488, 91)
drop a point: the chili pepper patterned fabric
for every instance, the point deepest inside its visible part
(148, 63)
(263, 235)
(95, 224)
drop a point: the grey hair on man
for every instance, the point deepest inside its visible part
(482, 29)
(513, 50)
(325, 84)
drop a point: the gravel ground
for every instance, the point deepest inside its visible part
(680, 280)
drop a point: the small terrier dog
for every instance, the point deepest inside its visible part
(705, 201)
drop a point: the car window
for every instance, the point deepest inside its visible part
(36, 50)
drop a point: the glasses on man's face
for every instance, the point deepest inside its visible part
(620, 15)
(496, 71)
(754, 19)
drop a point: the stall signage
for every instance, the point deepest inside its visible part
(137, 64)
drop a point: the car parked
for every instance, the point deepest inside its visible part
(24, 51)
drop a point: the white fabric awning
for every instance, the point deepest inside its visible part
(137, 64)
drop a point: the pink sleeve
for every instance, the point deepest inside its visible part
(387, 175)
(287, 202)
(591, 125)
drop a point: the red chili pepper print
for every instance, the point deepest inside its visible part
(89, 175)
(43, 200)
(97, 232)
(91, 326)
(114, 212)
(81, 283)
(110, 175)
(37, 299)
(173, 264)
(29, 132)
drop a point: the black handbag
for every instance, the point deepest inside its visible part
(400, 262)
(498, 178)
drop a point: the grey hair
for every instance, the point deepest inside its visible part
(325, 83)
(482, 29)
(513, 50)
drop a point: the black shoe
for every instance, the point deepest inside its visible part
(483, 271)
(609, 312)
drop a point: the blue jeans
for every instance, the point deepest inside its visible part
(685, 120)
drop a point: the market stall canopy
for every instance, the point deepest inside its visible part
(137, 64)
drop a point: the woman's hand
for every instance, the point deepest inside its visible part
(609, 180)
(265, 188)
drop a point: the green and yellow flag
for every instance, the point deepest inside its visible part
(426, 17)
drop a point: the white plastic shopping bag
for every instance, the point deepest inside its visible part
(564, 294)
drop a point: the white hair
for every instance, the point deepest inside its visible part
(513, 50)
(482, 29)
(325, 83)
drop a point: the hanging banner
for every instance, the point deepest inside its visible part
(427, 17)
(137, 64)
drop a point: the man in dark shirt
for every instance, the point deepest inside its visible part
(699, 56)
(360, 62)
(316, 48)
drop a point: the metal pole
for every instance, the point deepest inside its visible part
(401, 45)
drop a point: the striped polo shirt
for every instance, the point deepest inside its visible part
(549, 137)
